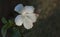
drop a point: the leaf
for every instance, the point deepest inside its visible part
(5, 28)
(4, 21)
(7, 25)
(11, 22)
(15, 32)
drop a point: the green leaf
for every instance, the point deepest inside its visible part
(4, 21)
(5, 28)
(15, 32)
(11, 22)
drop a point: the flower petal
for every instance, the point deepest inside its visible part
(28, 9)
(27, 23)
(18, 8)
(32, 17)
(19, 20)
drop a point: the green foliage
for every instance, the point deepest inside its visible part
(4, 21)
(3, 31)
(7, 24)
(15, 32)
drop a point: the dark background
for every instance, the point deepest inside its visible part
(49, 27)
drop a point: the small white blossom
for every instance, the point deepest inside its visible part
(26, 17)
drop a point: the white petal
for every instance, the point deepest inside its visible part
(18, 8)
(27, 23)
(32, 17)
(28, 9)
(19, 20)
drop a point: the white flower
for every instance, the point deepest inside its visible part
(26, 17)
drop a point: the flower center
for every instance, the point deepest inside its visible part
(23, 14)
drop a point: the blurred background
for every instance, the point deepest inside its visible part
(48, 22)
